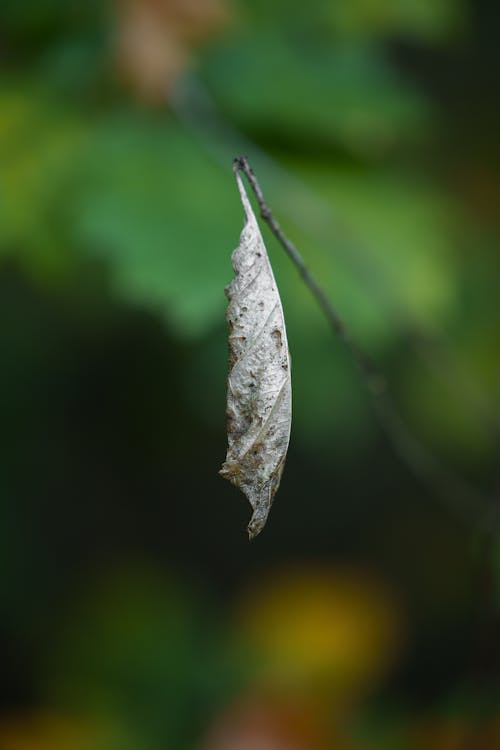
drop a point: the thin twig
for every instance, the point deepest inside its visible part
(197, 111)
(464, 499)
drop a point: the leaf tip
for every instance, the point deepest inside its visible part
(257, 523)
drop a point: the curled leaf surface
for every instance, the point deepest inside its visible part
(259, 395)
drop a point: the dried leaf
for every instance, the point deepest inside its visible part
(259, 395)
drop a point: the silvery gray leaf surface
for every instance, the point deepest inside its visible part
(259, 394)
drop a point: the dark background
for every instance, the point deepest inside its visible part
(134, 613)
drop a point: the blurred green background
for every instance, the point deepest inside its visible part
(134, 613)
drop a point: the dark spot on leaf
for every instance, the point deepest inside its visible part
(276, 334)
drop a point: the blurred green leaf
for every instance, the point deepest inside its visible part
(313, 94)
(130, 189)
(162, 217)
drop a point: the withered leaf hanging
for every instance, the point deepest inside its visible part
(259, 394)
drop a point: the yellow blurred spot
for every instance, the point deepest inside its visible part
(336, 628)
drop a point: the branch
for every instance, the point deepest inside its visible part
(457, 494)
(193, 105)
